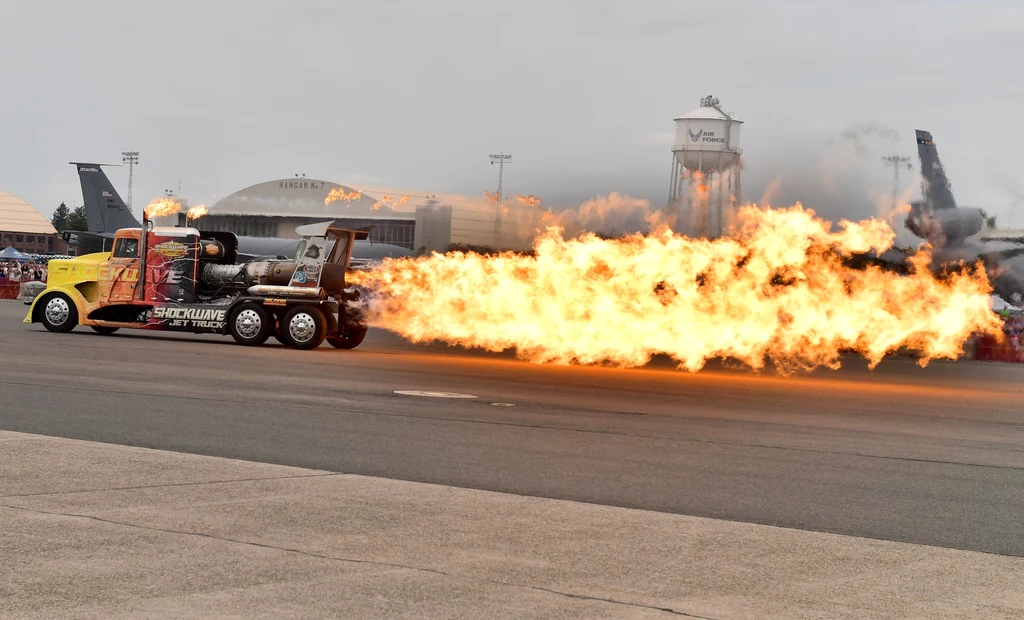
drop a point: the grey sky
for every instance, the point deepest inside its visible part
(415, 94)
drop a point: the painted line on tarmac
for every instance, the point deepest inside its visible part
(434, 394)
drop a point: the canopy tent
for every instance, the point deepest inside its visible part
(9, 253)
(999, 305)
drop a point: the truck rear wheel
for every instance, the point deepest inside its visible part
(59, 314)
(304, 327)
(350, 340)
(250, 324)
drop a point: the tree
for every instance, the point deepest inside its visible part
(60, 217)
(77, 221)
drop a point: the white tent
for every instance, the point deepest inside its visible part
(1000, 305)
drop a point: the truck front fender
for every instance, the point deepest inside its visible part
(40, 301)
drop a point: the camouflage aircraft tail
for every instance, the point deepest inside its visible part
(938, 193)
(105, 212)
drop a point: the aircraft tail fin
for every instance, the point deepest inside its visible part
(938, 193)
(104, 209)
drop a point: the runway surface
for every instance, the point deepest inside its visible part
(932, 456)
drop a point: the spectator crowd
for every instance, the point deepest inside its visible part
(12, 271)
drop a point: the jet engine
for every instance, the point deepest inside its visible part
(216, 278)
(945, 227)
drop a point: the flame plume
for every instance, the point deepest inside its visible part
(377, 205)
(492, 197)
(779, 290)
(531, 200)
(339, 194)
(386, 199)
(196, 212)
(161, 207)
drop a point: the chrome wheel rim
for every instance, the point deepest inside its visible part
(248, 323)
(302, 327)
(57, 311)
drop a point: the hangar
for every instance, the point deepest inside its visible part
(26, 229)
(275, 208)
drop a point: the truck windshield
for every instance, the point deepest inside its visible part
(126, 248)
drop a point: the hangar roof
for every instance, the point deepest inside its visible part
(16, 215)
(301, 197)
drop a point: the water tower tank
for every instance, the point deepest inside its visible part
(707, 139)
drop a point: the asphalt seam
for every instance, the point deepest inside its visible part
(656, 436)
(321, 556)
(167, 485)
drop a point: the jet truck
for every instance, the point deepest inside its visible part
(186, 280)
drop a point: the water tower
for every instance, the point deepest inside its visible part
(706, 163)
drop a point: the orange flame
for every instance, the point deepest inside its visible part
(531, 200)
(779, 290)
(699, 183)
(377, 205)
(339, 194)
(161, 207)
(492, 197)
(389, 199)
(196, 212)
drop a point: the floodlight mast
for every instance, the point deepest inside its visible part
(501, 159)
(896, 162)
(131, 158)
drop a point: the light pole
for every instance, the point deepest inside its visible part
(896, 162)
(131, 158)
(501, 159)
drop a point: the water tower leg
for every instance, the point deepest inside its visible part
(739, 190)
(723, 181)
(673, 185)
(700, 227)
(729, 201)
(720, 200)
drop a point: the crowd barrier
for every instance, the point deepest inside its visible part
(22, 291)
(991, 349)
(10, 291)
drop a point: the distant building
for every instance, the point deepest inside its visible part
(455, 219)
(26, 229)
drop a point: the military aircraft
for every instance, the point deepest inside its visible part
(955, 233)
(105, 213)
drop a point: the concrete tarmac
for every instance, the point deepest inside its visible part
(103, 531)
(932, 456)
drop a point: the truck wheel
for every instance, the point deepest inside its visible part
(350, 340)
(106, 331)
(304, 327)
(250, 324)
(59, 313)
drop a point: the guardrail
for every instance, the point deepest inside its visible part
(993, 350)
(10, 290)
